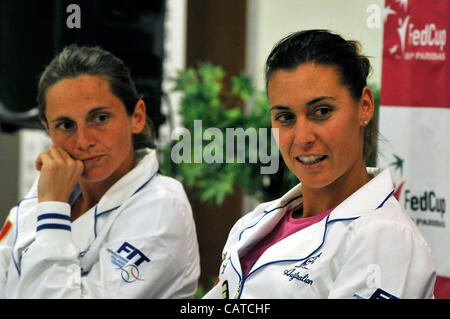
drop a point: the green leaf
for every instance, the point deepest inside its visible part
(241, 86)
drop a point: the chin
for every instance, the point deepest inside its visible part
(95, 176)
(316, 181)
(317, 184)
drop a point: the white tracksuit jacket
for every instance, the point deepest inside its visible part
(368, 247)
(139, 241)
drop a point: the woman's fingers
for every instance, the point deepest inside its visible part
(62, 157)
(44, 157)
(58, 154)
(59, 174)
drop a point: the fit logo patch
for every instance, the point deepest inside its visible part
(128, 258)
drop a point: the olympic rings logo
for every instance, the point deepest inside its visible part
(130, 273)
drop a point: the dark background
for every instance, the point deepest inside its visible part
(33, 32)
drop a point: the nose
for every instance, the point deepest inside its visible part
(304, 134)
(85, 137)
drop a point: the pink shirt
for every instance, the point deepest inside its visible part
(285, 227)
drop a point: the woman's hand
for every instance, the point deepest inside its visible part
(59, 174)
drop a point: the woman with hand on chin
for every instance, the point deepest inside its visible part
(100, 222)
(339, 233)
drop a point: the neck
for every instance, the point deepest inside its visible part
(316, 201)
(93, 191)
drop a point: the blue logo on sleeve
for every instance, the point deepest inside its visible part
(128, 258)
(132, 253)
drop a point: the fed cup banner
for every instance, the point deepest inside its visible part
(415, 119)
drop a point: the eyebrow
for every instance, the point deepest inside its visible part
(319, 99)
(309, 103)
(90, 113)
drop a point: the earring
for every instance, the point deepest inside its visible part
(365, 123)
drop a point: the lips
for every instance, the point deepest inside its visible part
(91, 160)
(310, 159)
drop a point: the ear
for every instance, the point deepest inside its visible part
(367, 106)
(138, 119)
